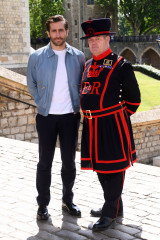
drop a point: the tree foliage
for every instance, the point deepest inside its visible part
(124, 27)
(40, 11)
(107, 4)
(141, 15)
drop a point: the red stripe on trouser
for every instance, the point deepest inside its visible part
(119, 197)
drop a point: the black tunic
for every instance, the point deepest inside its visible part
(109, 95)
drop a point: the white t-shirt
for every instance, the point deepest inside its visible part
(61, 100)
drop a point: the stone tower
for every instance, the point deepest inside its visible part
(79, 11)
(14, 34)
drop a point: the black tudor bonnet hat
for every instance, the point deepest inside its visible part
(96, 27)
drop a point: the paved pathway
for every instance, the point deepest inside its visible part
(18, 207)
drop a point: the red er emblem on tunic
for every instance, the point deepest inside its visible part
(94, 70)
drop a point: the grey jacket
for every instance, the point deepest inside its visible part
(41, 72)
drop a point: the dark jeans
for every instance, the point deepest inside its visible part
(48, 128)
(112, 185)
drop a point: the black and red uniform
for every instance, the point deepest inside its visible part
(109, 95)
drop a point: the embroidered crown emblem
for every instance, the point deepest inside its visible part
(94, 70)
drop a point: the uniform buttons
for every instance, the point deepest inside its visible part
(120, 96)
(119, 102)
(120, 90)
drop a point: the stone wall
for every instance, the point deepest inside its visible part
(146, 131)
(15, 33)
(17, 120)
(79, 11)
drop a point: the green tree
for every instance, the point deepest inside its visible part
(141, 15)
(107, 3)
(40, 11)
(124, 28)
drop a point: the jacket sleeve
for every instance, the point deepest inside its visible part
(31, 77)
(82, 65)
(130, 88)
(83, 60)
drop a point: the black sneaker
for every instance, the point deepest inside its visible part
(42, 213)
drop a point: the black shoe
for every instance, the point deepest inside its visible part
(71, 208)
(102, 224)
(42, 213)
(98, 213)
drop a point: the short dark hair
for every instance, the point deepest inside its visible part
(56, 18)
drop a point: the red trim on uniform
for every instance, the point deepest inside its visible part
(120, 133)
(134, 151)
(113, 171)
(82, 79)
(126, 113)
(107, 80)
(111, 161)
(127, 135)
(106, 114)
(103, 55)
(89, 21)
(84, 159)
(104, 109)
(97, 33)
(137, 104)
(134, 160)
(85, 68)
(96, 148)
(130, 111)
(86, 168)
(90, 137)
(96, 141)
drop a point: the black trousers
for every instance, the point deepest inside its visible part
(112, 185)
(48, 128)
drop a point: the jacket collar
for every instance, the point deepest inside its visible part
(50, 51)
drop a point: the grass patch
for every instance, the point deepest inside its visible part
(150, 91)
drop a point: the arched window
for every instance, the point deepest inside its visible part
(76, 35)
(69, 6)
(90, 2)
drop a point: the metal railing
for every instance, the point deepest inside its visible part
(141, 38)
(17, 100)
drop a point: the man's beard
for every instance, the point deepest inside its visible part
(58, 43)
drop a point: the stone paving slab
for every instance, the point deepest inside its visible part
(18, 160)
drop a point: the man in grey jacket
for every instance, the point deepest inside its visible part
(53, 76)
